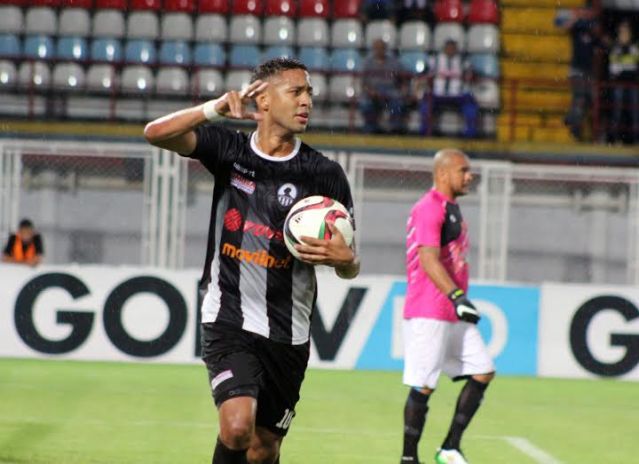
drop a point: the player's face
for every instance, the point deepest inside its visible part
(459, 175)
(290, 101)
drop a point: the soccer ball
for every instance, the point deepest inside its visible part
(309, 216)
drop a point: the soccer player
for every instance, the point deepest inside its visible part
(440, 334)
(258, 299)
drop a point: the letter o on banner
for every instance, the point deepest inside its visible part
(145, 348)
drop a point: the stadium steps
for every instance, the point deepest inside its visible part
(528, 47)
(535, 99)
(540, 21)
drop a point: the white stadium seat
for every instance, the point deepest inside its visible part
(245, 29)
(172, 80)
(312, 32)
(108, 23)
(41, 20)
(414, 35)
(208, 82)
(237, 80)
(482, 38)
(343, 88)
(137, 79)
(211, 28)
(74, 21)
(347, 33)
(11, 20)
(445, 31)
(8, 74)
(176, 26)
(279, 30)
(142, 25)
(101, 78)
(381, 29)
(68, 77)
(34, 75)
(320, 87)
(486, 92)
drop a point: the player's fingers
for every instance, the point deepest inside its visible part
(312, 240)
(335, 232)
(245, 92)
(254, 90)
(235, 105)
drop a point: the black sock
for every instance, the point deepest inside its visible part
(224, 455)
(414, 419)
(467, 404)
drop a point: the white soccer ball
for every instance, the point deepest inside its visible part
(308, 218)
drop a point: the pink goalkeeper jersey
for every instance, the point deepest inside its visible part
(434, 221)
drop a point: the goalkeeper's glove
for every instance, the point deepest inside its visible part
(464, 309)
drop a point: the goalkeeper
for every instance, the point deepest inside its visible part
(440, 332)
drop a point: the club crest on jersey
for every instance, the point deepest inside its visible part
(287, 194)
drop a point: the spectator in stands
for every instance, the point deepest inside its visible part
(411, 10)
(25, 246)
(451, 76)
(583, 27)
(623, 64)
(383, 86)
(371, 10)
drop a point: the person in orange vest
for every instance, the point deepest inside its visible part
(25, 246)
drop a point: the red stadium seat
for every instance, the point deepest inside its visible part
(213, 6)
(153, 5)
(483, 11)
(314, 8)
(248, 7)
(86, 4)
(111, 4)
(449, 11)
(182, 6)
(17, 2)
(281, 8)
(346, 8)
(49, 3)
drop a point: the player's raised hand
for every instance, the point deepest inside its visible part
(331, 252)
(234, 104)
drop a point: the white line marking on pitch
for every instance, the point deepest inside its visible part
(529, 449)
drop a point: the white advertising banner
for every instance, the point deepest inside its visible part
(589, 331)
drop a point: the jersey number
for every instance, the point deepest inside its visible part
(286, 420)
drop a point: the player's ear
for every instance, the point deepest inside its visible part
(262, 101)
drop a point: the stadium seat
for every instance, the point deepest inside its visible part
(8, 74)
(38, 46)
(346, 60)
(208, 82)
(281, 8)
(414, 35)
(342, 89)
(86, 4)
(483, 11)
(41, 20)
(154, 5)
(244, 56)
(483, 38)
(245, 29)
(10, 46)
(172, 80)
(315, 58)
(175, 52)
(106, 50)
(381, 29)
(140, 51)
(209, 54)
(277, 51)
(486, 92)
(110, 4)
(108, 23)
(68, 77)
(142, 25)
(72, 49)
(445, 31)
(176, 26)
(346, 8)
(312, 32)
(11, 20)
(449, 11)
(414, 61)
(213, 6)
(314, 8)
(34, 74)
(320, 86)
(237, 80)
(247, 7)
(137, 79)
(211, 28)
(101, 78)
(279, 30)
(183, 6)
(74, 21)
(485, 65)
(347, 33)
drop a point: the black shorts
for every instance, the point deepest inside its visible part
(242, 363)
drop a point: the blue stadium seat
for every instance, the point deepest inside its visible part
(208, 54)
(245, 56)
(175, 52)
(72, 48)
(277, 51)
(140, 51)
(106, 50)
(346, 59)
(315, 58)
(38, 46)
(485, 65)
(9, 45)
(414, 61)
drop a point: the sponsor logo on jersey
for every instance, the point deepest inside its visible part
(286, 194)
(233, 222)
(259, 258)
(242, 183)
(243, 170)
(221, 377)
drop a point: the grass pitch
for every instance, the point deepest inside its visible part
(54, 412)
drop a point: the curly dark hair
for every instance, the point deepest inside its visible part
(275, 66)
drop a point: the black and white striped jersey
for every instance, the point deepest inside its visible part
(250, 279)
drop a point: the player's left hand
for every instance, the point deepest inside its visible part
(333, 252)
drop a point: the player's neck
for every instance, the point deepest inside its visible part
(274, 143)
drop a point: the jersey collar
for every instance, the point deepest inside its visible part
(268, 157)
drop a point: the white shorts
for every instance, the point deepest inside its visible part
(432, 346)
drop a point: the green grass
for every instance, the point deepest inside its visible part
(55, 412)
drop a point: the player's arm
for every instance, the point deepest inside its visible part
(175, 131)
